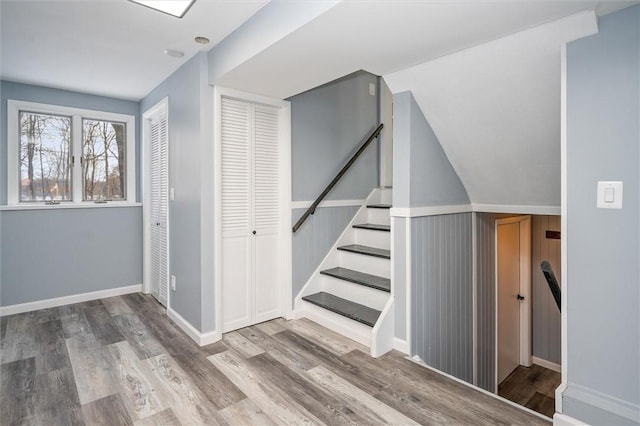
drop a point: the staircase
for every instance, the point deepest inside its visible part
(351, 291)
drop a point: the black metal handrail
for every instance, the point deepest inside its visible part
(552, 281)
(311, 210)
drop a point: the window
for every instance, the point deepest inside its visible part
(59, 155)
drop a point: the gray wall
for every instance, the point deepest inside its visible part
(54, 253)
(328, 124)
(311, 243)
(545, 314)
(430, 180)
(186, 92)
(485, 224)
(603, 322)
(441, 306)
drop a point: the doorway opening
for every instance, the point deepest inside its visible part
(527, 319)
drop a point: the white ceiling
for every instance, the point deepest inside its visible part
(107, 47)
(386, 36)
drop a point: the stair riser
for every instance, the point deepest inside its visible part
(366, 237)
(367, 296)
(369, 264)
(380, 216)
(342, 325)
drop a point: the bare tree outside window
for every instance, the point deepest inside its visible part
(45, 159)
(103, 162)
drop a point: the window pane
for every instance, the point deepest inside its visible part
(45, 159)
(103, 164)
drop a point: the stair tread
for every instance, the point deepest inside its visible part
(344, 307)
(379, 206)
(368, 280)
(373, 227)
(366, 250)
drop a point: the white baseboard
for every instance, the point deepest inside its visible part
(546, 364)
(201, 339)
(68, 300)
(564, 420)
(401, 345)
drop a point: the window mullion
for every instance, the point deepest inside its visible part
(76, 149)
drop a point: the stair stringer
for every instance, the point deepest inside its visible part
(382, 333)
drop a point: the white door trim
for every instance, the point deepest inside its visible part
(161, 106)
(285, 198)
(525, 290)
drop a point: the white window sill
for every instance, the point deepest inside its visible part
(87, 205)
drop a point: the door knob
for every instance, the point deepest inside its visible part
(520, 297)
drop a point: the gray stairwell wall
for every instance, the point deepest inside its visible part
(545, 315)
(328, 124)
(441, 248)
(55, 253)
(603, 290)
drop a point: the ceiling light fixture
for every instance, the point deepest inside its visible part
(174, 53)
(175, 8)
(201, 40)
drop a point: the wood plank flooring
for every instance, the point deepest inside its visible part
(121, 361)
(532, 387)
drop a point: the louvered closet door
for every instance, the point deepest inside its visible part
(250, 214)
(159, 207)
(237, 294)
(266, 215)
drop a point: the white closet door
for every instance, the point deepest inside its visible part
(159, 207)
(237, 294)
(266, 214)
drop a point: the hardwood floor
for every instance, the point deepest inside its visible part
(121, 361)
(533, 387)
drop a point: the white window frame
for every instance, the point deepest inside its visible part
(77, 115)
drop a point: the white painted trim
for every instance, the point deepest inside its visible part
(558, 394)
(516, 209)
(560, 419)
(201, 339)
(525, 288)
(546, 364)
(68, 300)
(286, 289)
(76, 115)
(64, 206)
(479, 208)
(327, 203)
(401, 345)
(604, 402)
(382, 333)
(336, 322)
(563, 225)
(409, 281)
(416, 359)
(429, 210)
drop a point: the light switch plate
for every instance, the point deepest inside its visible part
(609, 195)
(172, 194)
